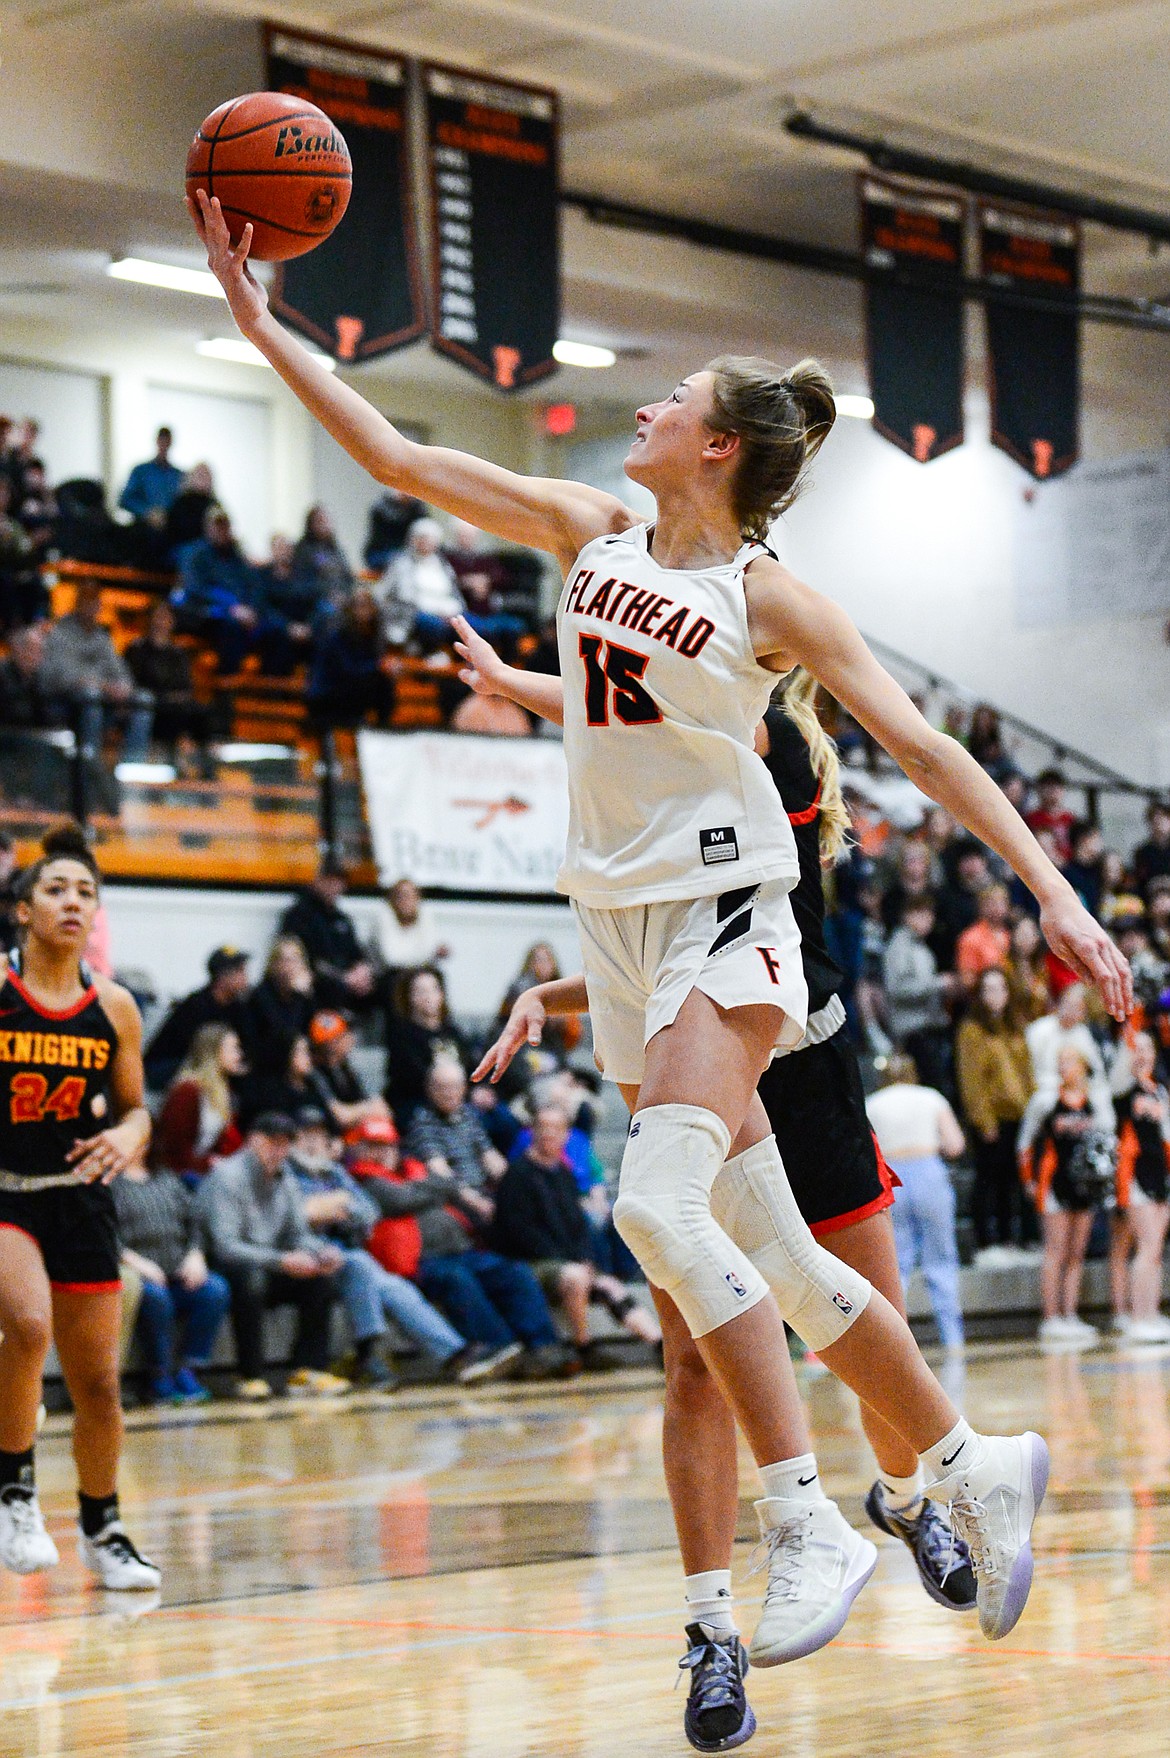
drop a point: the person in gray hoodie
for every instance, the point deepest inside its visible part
(917, 993)
(259, 1238)
(89, 685)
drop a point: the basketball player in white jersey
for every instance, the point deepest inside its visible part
(678, 865)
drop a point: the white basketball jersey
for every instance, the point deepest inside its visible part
(667, 797)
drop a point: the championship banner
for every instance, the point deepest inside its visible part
(493, 151)
(1035, 353)
(914, 315)
(359, 293)
(466, 814)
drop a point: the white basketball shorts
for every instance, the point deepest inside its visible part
(741, 948)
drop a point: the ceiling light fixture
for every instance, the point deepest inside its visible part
(168, 275)
(583, 354)
(860, 408)
(243, 353)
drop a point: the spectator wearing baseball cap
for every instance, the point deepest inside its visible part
(221, 1001)
(336, 1082)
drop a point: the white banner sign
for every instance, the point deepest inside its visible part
(466, 814)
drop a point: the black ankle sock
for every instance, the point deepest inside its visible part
(16, 1470)
(97, 1512)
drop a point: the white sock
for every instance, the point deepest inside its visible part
(796, 1480)
(958, 1451)
(709, 1602)
(903, 1493)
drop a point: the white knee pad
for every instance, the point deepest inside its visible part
(663, 1212)
(817, 1294)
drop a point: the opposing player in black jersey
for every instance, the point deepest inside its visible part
(72, 1118)
(816, 1106)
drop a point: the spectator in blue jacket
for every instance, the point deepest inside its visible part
(152, 488)
(349, 679)
(218, 597)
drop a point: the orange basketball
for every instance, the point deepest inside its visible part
(277, 161)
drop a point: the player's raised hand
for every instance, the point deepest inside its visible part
(525, 1025)
(1081, 942)
(484, 671)
(228, 262)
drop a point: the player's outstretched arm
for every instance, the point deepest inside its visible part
(544, 513)
(486, 674)
(793, 625)
(525, 1023)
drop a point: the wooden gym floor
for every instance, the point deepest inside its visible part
(493, 1576)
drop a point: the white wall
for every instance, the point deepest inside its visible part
(71, 409)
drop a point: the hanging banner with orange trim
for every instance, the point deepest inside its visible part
(1034, 351)
(360, 293)
(912, 241)
(493, 157)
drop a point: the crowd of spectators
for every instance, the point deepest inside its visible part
(454, 1220)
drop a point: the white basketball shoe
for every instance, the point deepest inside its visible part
(992, 1506)
(25, 1546)
(817, 1565)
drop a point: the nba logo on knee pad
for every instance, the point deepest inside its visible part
(845, 1306)
(734, 1283)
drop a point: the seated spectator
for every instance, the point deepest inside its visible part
(390, 518)
(187, 513)
(9, 893)
(162, 668)
(539, 1220)
(349, 679)
(217, 598)
(92, 689)
(1065, 1028)
(1143, 1199)
(292, 1089)
(183, 1303)
(153, 488)
(24, 702)
(561, 1035)
(1083, 869)
(406, 934)
(22, 594)
(917, 1131)
(483, 576)
(1052, 814)
(447, 1135)
(1151, 859)
(36, 508)
(197, 1121)
(917, 993)
(289, 597)
(280, 1007)
(339, 1209)
(343, 975)
(985, 945)
(419, 593)
(418, 1031)
(995, 1078)
(1026, 970)
(424, 1234)
(260, 1241)
(319, 559)
(334, 1079)
(221, 1001)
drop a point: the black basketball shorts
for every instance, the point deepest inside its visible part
(816, 1105)
(74, 1226)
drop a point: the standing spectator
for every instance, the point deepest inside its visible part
(917, 993)
(221, 1001)
(319, 559)
(260, 1240)
(967, 876)
(338, 1208)
(9, 893)
(424, 1234)
(183, 1303)
(913, 883)
(1084, 867)
(153, 488)
(197, 1122)
(22, 595)
(985, 945)
(448, 1136)
(995, 1082)
(1052, 814)
(418, 1032)
(280, 1007)
(342, 973)
(91, 686)
(1066, 1028)
(1143, 1199)
(390, 518)
(985, 743)
(341, 1093)
(187, 513)
(406, 934)
(350, 678)
(1026, 970)
(161, 668)
(1158, 918)
(1063, 1176)
(1120, 901)
(916, 1129)
(1151, 859)
(539, 1220)
(36, 509)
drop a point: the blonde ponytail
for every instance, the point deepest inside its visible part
(799, 704)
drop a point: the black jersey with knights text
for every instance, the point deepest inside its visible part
(790, 766)
(55, 1078)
